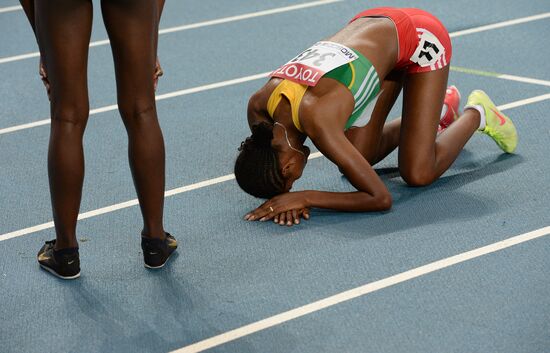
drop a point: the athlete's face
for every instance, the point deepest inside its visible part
(292, 164)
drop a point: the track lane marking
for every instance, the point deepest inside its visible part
(529, 80)
(205, 183)
(207, 23)
(10, 8)
(160, 97)
(236, 81)
(501, 24)
(360, 291)
(98, 43)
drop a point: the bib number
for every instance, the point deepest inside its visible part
(429, 50)
(310, 65)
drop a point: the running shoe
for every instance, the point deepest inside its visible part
(64, 263)
(157, 251)
(497, 125)
(450, 108)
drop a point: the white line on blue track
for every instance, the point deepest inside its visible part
(205, 183)
(196, 25)
(262, 75)
(10, 8)
(360, 291)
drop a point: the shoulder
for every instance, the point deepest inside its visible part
(325, 110)
(258, 101)
(257, 105)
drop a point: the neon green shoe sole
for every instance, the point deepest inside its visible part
(498, 126)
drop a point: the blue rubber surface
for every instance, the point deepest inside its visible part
(228, 272)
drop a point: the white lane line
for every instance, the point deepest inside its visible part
(250, 78)
(244, 79)
(127, 204)
(206, 183)
(524, 102)
(249, 15)
(502, 24)
(179, 93)
(10, 8)
(197, 25)
(360, 291)
(533, 81)
(529, 80)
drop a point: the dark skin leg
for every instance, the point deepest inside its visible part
(158, 70)
(28, 7)
(423, 156)
(63, 29)
(132, 28)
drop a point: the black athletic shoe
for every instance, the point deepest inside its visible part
(64, 263)
(156, 252)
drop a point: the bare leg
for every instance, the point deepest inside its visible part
(158, 72)
(424, 156)
(63, 30)
(28, 7)
(132, 26)
(376, 140)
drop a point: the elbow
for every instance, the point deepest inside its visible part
(384, 201)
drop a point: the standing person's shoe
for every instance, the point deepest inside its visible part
(450, 108)
(157, 251)
(64, 263)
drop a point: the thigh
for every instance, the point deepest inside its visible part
(63, 29)
(367, 138)
(132, 28)
(423, 95)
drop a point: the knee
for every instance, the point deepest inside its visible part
(69, 118)
(385, 201)
(138, 112)
(417, 176)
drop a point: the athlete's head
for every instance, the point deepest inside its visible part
(267, 164)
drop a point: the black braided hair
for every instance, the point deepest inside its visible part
(257, 168)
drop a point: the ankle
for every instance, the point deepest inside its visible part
(155, 234)
(63, 244)
(480, 113)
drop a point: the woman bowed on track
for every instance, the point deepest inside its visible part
(63, 29)
(339, 93)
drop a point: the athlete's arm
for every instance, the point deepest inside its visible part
(328, 136)
(257, 111)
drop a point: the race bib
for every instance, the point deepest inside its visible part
(429, 50)
(309, 66)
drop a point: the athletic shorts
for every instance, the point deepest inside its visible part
(424, 43)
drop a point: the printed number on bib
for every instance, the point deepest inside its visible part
(310, 65)
(429, 50)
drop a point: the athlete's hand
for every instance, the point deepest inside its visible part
(290, 218)
(158, 73)
(284, 208)
(44, 78)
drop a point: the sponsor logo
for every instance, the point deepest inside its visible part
(501, 117)
(299, 73)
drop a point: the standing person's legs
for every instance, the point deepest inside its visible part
(158, 69)
(132, 26)
(63, 29)
(424, 155)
